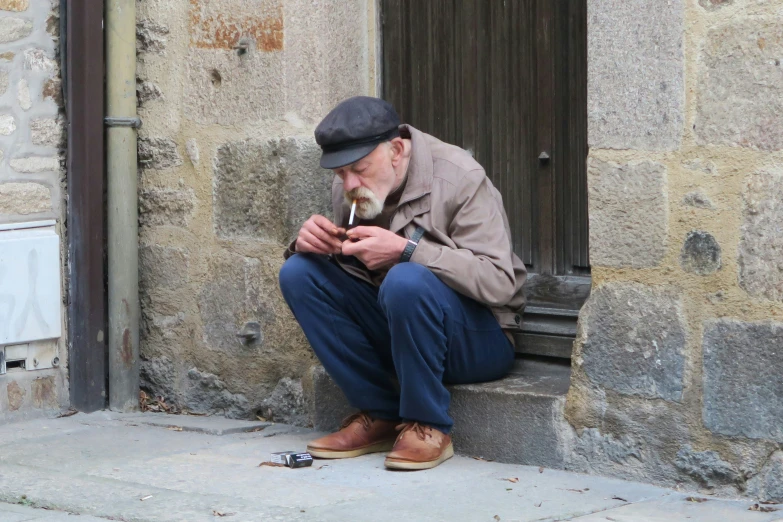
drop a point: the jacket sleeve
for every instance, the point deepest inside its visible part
(481, 265)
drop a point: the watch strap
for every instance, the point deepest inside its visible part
(413, 242)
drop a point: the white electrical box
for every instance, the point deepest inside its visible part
(30, 298)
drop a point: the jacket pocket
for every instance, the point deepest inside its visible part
(508, 320)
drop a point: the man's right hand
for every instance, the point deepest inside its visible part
(319, 236)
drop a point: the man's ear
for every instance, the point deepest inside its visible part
(396, 147)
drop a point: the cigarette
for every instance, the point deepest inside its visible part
(353, 212)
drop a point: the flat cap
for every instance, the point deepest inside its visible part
(354, 128)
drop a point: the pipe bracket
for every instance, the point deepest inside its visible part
(110, 121)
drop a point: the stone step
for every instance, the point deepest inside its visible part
(518, 419)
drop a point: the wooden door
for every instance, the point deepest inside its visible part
(507, 81)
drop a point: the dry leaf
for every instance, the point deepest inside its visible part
(538, 505)
(67, 413)
(575, 490)
(619, 498)
(509, 489)
(174, 428)
(541, 469)
(762, 509)
(222, 514)
(272, 465)
(259, 417)
(145, 498)
(495, 517)
(479, 458)
(696, 499)
(513, 480)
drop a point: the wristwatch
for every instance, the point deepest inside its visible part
(413, 242)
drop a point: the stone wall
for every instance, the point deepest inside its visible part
(230, 92)
(677, 367)
(32, 176)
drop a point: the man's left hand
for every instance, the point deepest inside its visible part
(374, 246)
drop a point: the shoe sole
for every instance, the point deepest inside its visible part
(378, 447)
(412, 466)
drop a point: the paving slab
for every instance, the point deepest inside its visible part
(678, 507)
(19, 513)
(138, 468)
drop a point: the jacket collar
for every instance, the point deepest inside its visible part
(420, 167)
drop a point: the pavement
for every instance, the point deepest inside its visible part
(159, 467)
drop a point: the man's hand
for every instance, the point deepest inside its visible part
(319, 236)
(374, 246)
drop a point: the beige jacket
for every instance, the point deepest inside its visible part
(467, 240)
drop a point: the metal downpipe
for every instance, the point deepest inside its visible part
(122, 205)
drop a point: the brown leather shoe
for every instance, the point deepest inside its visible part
(419, 447)
(360, 434)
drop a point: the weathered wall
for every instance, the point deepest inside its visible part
(677, 369)
(32, 155)
(228, 172)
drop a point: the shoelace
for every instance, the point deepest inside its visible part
(419, 429)
(362, 417)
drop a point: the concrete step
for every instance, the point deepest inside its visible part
(518, 419)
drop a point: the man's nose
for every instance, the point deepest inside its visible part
(351, 182)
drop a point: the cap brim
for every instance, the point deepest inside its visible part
(341, 158)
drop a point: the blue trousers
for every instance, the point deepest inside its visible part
(413, 327)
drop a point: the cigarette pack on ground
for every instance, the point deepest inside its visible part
(299, 460)
(281, 457)
(292, 459)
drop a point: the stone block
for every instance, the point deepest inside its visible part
(237, 292)
(224, 89)
(158, 153)
(14, 5)
(39, 60)
(516, 419)
(44, 393)
(150, 36)
(47, 132)
(706, 467)
(317, 78)
(12, 29)
(16, 395)
(628, 208)
(7, 124)
(636, 93)
(3, 81)
(35, 164)
(265, 190)
(147, 91)
(634, 338)
(23, 95)
(740, 100)
(761, 243)
(164, 206)
(697, 199)
(162, 267)
(286, 404)
(220, 24)
(767, 485)
(206, 393)
(595, 446)
(24, 198)
(331, 406)
(700, 253)
(742, 379)
(52, 90)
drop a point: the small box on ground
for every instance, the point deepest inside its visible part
(292, 459)
(281, 457)
(299, 460)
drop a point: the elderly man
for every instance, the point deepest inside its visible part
(425, 290)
